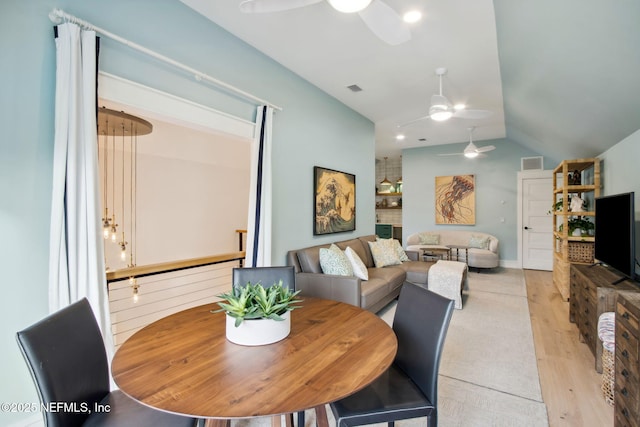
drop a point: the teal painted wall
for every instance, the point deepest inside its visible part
(620, 174)
(496, 189)
(313, 129)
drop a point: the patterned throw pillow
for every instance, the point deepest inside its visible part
(395, 244)
(429, 239)
(334, 261)
(359, 269)
(384, 253)
(479, 242)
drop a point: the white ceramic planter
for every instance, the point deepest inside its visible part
(258, 331)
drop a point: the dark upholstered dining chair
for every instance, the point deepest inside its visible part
(68, 362)
(409, 388)
(267, 276)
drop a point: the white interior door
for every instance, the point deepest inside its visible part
(537, 224)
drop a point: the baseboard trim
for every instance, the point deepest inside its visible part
(508, 263)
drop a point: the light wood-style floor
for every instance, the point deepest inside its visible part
(570, 385)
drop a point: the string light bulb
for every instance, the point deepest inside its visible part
(123, 248)
(114, 228)
(135, 287)
(106, 227)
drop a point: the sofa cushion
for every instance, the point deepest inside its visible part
(309, 259)
(368, 259)
(334, 261)
(416, 271)
(384, 253)
(482, 258)
(357, 246)
(359, 269)
(382, 281)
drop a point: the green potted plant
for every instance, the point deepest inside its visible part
(557, 206)
(580, 223)
(256, 315)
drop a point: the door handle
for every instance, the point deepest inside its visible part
(527, 228)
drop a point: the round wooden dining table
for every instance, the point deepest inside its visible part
(183, 363)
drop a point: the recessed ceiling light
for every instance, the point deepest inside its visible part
(399, 137)
(412, 16)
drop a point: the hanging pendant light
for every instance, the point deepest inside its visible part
(385, 181)
(114, 124)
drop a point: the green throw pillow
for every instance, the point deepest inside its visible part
(429, 239)
(479, 242)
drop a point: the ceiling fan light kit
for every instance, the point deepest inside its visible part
(441, 109)
(379, 17)
(349, 6)
(471, 151)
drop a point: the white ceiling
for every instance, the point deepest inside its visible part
(559, 77)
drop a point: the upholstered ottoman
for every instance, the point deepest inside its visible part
(448, 278)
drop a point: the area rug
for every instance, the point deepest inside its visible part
(488, 372)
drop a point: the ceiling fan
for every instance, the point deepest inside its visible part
(381, 19)
(441, 108)
(471, 151)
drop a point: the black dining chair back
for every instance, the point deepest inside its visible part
(267, 276)
(409, 388)
(68, 362)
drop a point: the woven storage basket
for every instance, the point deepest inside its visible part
(581, 252)
(608, 373)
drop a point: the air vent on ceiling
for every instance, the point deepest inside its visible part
(354, 88)
(422, 139)
(531, 163)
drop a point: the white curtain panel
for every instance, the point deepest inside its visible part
(76, 259)
(259, 218)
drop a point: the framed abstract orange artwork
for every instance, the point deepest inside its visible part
(456, 199)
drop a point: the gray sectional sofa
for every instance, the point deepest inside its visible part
(382, 287)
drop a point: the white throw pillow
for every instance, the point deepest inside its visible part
(359, 269)
(334, 261)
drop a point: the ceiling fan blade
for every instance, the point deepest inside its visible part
(451, 154)
(414, 120)
(485, 148)
(268, 6)
(472, 114)
(385, 23)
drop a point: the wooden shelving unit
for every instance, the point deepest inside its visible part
(398, 195)
(573, 249)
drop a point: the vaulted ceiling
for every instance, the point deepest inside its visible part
(561, 78)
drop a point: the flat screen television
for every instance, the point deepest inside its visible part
(615, 232)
